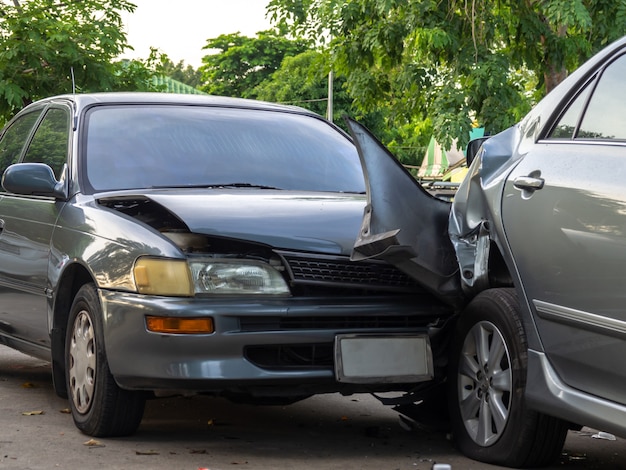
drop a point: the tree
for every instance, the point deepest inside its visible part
(302, 80)
(184, 74)
(240, 63)
(44, 42)
(454, 62)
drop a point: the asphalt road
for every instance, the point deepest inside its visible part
(324, 432)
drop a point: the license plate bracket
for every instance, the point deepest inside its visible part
(383, 358)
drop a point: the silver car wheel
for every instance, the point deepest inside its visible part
(484, 383)
(82, 360)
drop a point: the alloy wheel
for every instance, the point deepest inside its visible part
(484, 383)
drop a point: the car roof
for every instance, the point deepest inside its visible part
(113, 98)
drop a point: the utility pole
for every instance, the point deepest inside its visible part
(329, 109)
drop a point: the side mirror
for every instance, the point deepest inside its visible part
(35, 179)
(472, 149)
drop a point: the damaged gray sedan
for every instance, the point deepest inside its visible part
(155, 244)
(532, 254)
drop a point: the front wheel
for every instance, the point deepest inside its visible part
(487, 379)
(99, 407)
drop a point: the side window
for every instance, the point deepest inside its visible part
(49, 144)
(605, 117)
(569, 121)
(14, 139)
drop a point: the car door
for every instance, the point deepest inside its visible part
(564, 214)
(26, 226)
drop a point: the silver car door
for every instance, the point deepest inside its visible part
(564, 213)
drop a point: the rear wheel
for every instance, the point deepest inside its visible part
(487, 378)
(99, 407)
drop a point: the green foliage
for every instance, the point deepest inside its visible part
(302, 80)
(241, 63)
(184, 74)
(133, 75)
(451, 63)
(313, 19)
(43, 41)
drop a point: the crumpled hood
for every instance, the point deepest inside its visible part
(315, 222)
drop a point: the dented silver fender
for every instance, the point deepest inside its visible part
(475, 219)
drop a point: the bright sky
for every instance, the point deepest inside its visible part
(180, 28)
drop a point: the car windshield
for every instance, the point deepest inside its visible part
(149, 146)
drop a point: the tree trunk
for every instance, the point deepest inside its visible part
(553, 76)
(554, 73)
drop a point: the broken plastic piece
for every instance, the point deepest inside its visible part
(604, 435)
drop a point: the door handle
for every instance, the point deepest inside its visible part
(529, 183)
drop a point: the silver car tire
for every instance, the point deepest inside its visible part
(487, 378)
(99, 407)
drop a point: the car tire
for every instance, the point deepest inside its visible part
(487, 378)
(99, 406)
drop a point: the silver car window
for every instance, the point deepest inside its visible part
(604, 117)
(566, 127)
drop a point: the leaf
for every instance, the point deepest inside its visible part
(33, 413)
(28, 385)
(65, 411)
(93, 443)
(147, 452)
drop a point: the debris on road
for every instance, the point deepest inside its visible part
(93, 443)
(604, 435)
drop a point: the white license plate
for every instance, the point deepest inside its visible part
(383, 359)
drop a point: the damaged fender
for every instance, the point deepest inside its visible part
(444, 246)
(403, 224)
(475, 216)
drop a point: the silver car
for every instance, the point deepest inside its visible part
(155, 244)
(537, 232)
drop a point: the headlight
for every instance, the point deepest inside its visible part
(225, 276)
(158, 276)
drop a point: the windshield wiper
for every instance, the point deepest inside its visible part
(210, 186)
(245, 185)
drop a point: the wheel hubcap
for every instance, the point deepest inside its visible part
(484, 384)
(82, 359)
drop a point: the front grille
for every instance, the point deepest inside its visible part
(343, 272)
(252, 323)
(311, 356)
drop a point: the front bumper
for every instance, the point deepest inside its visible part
(243, 355)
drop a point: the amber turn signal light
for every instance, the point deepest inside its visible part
(181, 326)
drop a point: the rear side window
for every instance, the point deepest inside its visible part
(15, 138)
(605, 117)
(191, 146)
(602, 116)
